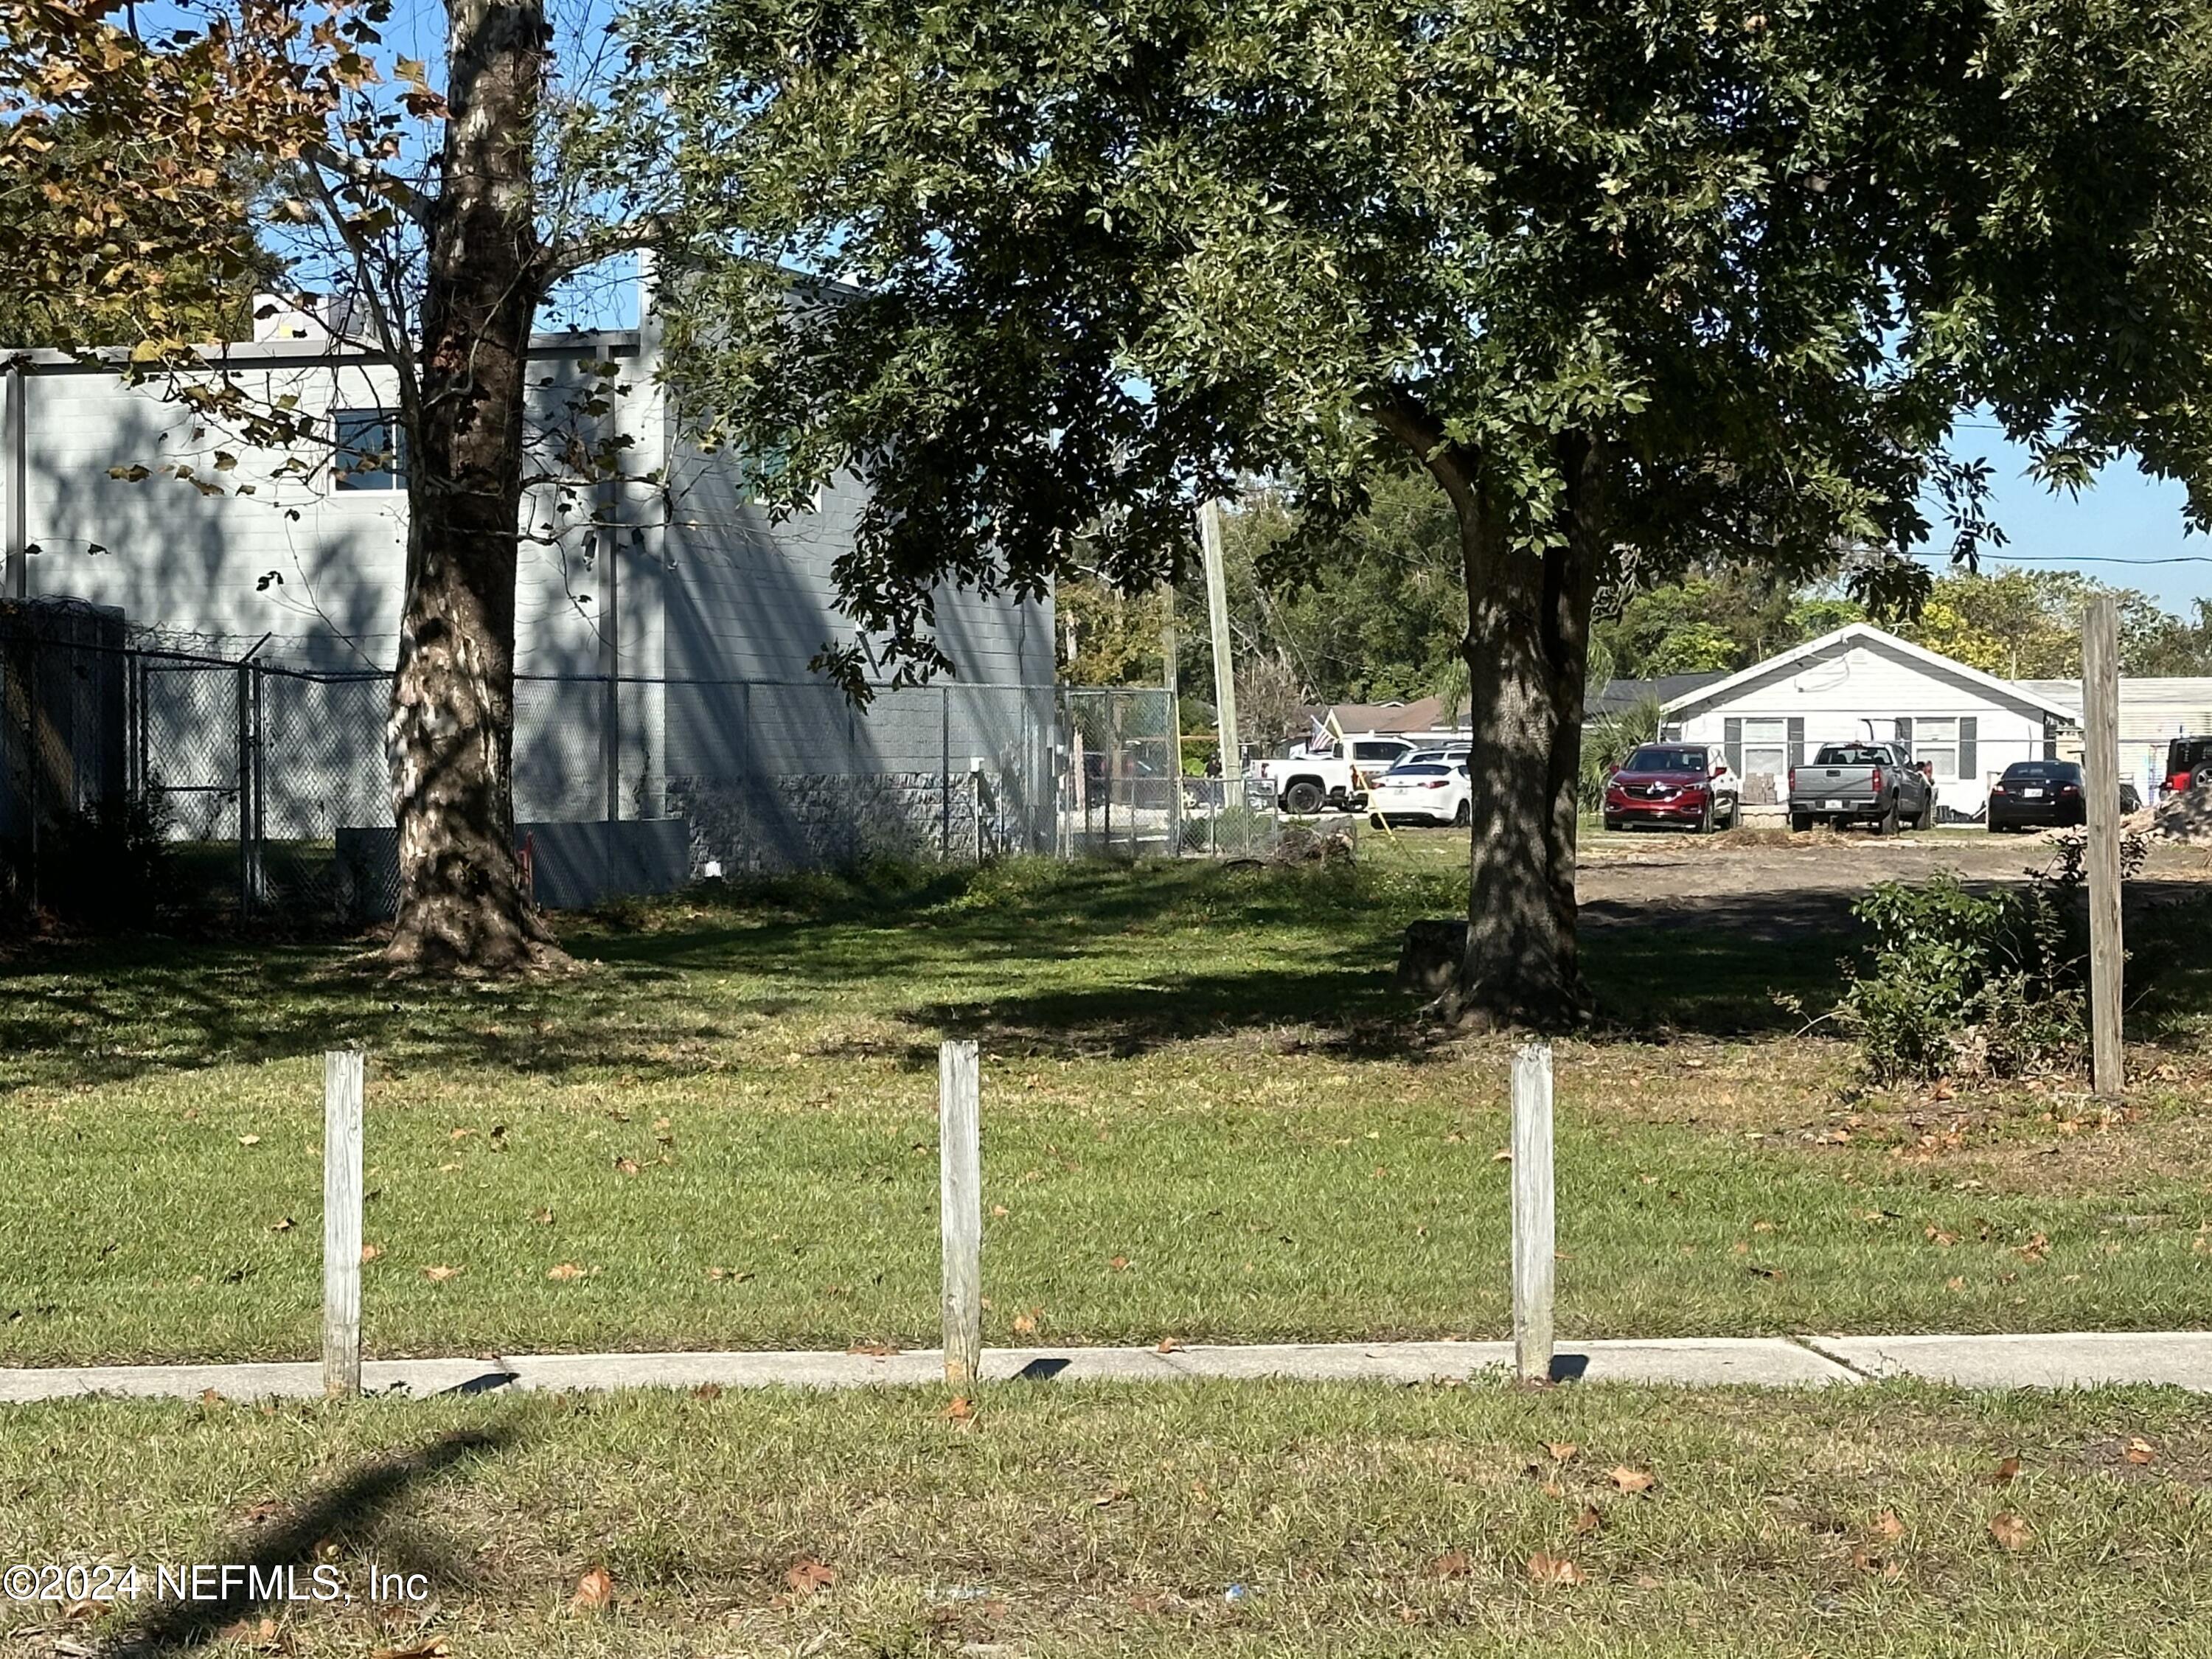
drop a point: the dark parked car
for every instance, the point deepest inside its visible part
(2034, 794)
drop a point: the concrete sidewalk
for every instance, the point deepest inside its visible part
(2178, 1358)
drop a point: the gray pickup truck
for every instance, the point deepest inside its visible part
(1871, 783)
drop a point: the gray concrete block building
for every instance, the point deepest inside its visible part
(662, 665)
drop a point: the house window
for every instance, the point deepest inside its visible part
(371, 449)
(1935, 742)
(1766, 748)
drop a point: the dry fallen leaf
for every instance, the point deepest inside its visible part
(439, 1275)
(282, 1224)
(1561, 1450)
(2003, 1474)
(544, 1217)
(736, 1276)
(595, 1591)
(1167, 1345)
(1452, 1564)
(436, 1648)
(2009, 1530)
(2139, 1451)
(708, 1391)
(566, 1270)
(627, 1165)
(1111, 1495)
(1000, 1212)
(1588, 1521)
(249, 1140)
(1889, 1526)
(808, 1575)
(1632, 1480)
(370, 1252)
(962, 1410)
(1025, 1324)
(1554, 1570)
(1117, 1263)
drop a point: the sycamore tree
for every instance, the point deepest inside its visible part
(446, 203)
(1636, 282)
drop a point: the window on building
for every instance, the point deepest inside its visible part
(1936, 743)
(1766, 748)
(371, 447)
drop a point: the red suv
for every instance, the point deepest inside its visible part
(1685, 784)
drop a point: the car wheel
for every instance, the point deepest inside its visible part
(1376, 820)
(1462, 816)
(1800, 823)
(1303, 798)
(1704, 825)
(1888, 824)
(1612, 826)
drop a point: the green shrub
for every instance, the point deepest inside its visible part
(1960, 983)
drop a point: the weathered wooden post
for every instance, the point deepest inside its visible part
(1533, 1233)
(2100, 769)
(342, 1102)
(960, 1198)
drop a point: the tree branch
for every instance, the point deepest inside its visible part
(409, 200)
(1406, 418)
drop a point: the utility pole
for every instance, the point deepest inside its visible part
(16, 584)
(1225, 667)
(2100, 769)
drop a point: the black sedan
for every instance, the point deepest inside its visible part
(2033, 794)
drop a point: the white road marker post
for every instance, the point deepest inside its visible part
(2101, 777)
(960, 1198)
(1532, 1229)
(342, 1199)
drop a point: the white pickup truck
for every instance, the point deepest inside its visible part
(1306, 783)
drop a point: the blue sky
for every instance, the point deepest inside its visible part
(2128, 532)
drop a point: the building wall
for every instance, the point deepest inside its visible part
(1858, 691)
(708, 592)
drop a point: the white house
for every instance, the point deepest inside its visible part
(1860, 682)
(2153, 711)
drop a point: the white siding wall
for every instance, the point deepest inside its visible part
(1858, 690)
(711, 589)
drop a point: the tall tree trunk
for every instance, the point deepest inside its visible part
(451, 736)
(1526, 651)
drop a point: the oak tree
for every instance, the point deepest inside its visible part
(1637, 282)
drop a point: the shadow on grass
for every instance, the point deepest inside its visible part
(1079, 959)
(281, 1554)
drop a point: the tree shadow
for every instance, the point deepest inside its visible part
(284, 1550)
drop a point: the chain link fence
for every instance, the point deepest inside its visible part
(260, 787)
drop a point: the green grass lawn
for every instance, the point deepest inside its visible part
(1205, 1114)
(1098, 1520)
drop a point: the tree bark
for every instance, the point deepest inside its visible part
(450, 740)
(1527, 650)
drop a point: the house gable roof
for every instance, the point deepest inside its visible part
(2009, 691)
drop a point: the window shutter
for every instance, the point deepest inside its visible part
(1732, 736)
(1969, 765)
(1904, 734)
(1797, 739)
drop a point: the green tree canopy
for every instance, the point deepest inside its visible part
(1637, 277)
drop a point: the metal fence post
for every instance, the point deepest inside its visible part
(945, 774)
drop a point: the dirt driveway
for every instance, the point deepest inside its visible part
(1772, 882)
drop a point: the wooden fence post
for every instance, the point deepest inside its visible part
(342, 1098)
(2101, 778)
(960, 1198)
(1533, 1232)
